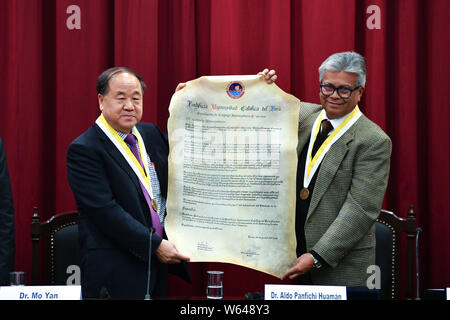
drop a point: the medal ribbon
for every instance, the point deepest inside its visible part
(313, 163)
(127, 154)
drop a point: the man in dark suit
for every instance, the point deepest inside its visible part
(7, 240)
(117, 170)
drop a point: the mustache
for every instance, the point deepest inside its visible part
(336, 101)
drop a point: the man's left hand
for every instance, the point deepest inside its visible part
(270, 76)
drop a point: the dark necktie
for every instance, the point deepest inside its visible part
(326, 128)
(131, 139)
(322, 136)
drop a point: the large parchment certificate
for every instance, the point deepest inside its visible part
(232, 172)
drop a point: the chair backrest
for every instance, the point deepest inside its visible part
(59, 248)
(388, 229)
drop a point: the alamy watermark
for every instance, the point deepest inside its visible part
(374, 280)
(213, 147)
(74, 277)
(73, 21)
(374, 20)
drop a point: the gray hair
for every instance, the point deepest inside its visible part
(348, 62)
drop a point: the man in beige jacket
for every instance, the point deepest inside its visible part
(342, 175)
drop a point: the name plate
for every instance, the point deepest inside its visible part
(300, 292)
(40, 293)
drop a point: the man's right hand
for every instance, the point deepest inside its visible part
(303, 264)
(168, 253)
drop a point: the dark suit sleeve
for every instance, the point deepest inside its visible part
(90, 185)
(7, 241)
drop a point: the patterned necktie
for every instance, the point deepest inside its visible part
(131, 140)
(322, 136)
(326, 128)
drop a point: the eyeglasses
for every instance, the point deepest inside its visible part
(343, 91)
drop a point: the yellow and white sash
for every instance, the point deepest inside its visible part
(127, 154)
(313, 163)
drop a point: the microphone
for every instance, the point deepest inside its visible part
(418, 231)
(147, 294)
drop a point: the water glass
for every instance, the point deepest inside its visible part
(214, 289)
(17, 278)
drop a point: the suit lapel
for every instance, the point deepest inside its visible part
(329, 167)
(118, 157)
(304, 133)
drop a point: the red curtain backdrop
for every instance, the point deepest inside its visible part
(48, 76)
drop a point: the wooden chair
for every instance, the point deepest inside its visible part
(389, 229)
(59, 245)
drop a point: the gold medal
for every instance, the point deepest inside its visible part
(154, 205)
(304, 194)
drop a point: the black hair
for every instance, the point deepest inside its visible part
(103, 79)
